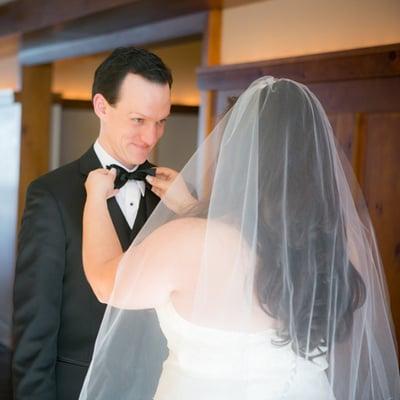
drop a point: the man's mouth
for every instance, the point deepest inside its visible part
(141, 146)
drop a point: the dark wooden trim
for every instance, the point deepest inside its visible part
(113, 20)
(24, 16)
(75, 104)
(28, 15)
(55, 97)
(373, 62)
(87, 105)
(359, 95)
(353, 96)
(149, 34)
(183, 109)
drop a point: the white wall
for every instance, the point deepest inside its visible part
(10, 117)
(79, 129)
(10, 121)
(179, 141)
(284, 28)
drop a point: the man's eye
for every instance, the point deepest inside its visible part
(162, 122)
(137, 120)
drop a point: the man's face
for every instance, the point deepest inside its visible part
(134, 124)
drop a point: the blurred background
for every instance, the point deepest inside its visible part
(346, 51)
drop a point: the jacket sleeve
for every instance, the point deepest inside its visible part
(37, 296)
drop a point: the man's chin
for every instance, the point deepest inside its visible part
(138, 159)
(136, 155)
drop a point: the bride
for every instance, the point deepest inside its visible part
(269, 286)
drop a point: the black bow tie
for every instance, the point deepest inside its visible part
(124, 176)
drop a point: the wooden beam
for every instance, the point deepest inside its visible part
(38, 52)
(211, 49)
(28, 15)
(210, 57)
(24, 16)
(36, 101)
(374, 62)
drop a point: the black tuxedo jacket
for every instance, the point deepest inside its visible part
(56, 314)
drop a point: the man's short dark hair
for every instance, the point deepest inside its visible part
(123, 60)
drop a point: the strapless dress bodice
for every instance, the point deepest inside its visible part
(212, 364)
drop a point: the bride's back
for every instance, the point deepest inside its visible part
(215, 284)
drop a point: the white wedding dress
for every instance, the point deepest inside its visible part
(211, 364)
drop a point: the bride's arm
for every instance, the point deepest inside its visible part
(101, 250)
(147, 273)
(163, 263)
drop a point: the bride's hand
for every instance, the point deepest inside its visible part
(179, 199)
(100, 184)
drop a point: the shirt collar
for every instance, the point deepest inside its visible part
(106, 159)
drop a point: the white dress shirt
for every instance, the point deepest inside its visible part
(128, 197)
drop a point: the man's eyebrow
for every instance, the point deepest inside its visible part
(138, 113)
(147, 117)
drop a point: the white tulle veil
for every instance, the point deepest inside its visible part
(286, 231)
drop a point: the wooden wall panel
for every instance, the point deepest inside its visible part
(344, 128)
(367, 63)
(360, 91)
(381, 186)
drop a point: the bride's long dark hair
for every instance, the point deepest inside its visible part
(303, 251)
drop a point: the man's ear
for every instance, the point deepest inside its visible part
(100, 106)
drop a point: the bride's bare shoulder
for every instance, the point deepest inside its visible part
(200, 225)
(193, 228)
(189, 230)
(183, 227)
(184, 239)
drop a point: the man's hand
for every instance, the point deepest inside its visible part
(179, 198)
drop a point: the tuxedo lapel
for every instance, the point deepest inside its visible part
(151, 201)
(147, 204)
(88, 162)
(120, 224)
(140, 219)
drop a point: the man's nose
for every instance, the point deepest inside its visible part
(150, 135)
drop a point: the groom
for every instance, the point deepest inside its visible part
(56, 314)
